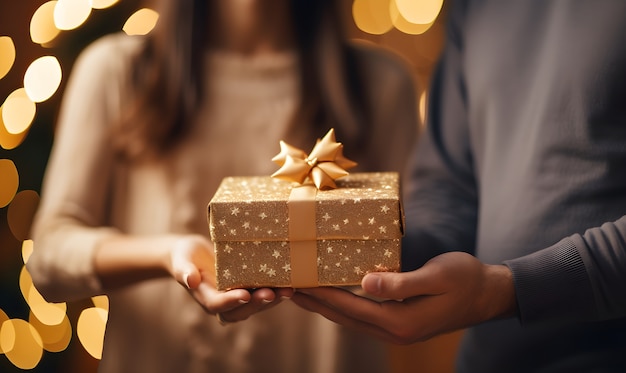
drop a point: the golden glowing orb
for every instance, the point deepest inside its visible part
(90, 329)
(372, 16)
(69, 14)
(42, 28)
(419, 11)
(102, 4)
(10, 181)
(21, 343)
(403, 24)
(141, 22)
(8, 140)
(7, 55)
(18, 112)
(54, 338)
(48, 313)
(42, 78)
(27, 250)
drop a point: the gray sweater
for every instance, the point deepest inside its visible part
(524, 163)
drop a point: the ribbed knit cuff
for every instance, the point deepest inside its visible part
(552, 284)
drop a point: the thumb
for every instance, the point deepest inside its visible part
(188, 276)
(393, 285)
(192, 278)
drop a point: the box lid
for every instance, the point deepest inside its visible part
(365, 206)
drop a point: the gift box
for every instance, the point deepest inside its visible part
(358, 227)
(306, 231)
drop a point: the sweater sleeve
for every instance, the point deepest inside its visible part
(71, 218)
(580, 278)
(441, 207)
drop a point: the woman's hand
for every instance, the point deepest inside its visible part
(452, 291)
(192, 264)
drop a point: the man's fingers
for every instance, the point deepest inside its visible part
(314, 304)
(356, 307)
(392, 285)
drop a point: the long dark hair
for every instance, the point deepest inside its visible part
(168, 73)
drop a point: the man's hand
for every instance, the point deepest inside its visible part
(451, 291)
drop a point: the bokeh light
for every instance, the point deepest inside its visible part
(419, 11)
(42, 27)
(102, 4)
(372, 16)
(7, 55)
(69, 14)
(18, 111)
(54, 338)
(101, 301)
(21, 343)
(42, 78)
(3, 317)
(141, 22)
(405, 25)
(27, 250)
(47, 313)
(8, 140)
(10, 181)
(21, 212)
(90, 329)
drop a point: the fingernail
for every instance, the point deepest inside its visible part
(186, 280)
(372, 284)
(266, 301)
(243, 301)
(284, 297)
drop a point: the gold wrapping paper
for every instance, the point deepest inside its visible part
(358, 228)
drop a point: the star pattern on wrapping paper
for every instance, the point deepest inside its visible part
(364, 224)
(381, 268)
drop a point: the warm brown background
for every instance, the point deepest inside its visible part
(420, 51)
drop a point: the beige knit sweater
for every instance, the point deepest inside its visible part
(156, 326)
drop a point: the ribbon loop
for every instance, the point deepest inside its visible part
(323, 165)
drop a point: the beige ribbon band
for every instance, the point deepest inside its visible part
(303, 236)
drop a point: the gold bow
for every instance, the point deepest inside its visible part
(323, 165)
